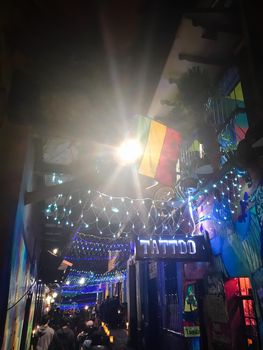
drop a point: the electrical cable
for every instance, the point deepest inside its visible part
(11, 307)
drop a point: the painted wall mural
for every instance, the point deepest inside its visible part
(232, 221)
(20, 282)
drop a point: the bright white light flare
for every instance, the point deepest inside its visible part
(129, 151)
(81, 280)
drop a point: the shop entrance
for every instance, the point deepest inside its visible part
(153, 310)
(239, 291)
(231, 321)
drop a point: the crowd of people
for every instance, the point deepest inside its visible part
(79, 330)
(69, 333)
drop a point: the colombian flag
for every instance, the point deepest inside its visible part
(161, 150)
(240, 122)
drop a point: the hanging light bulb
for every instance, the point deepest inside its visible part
(81, 280)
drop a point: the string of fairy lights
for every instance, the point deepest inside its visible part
(183, 216)
(102, 216)
(82, 277)
(83, 249)
(84, 282)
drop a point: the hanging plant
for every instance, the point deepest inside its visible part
(195, 87)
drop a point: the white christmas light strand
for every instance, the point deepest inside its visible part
(100, 213)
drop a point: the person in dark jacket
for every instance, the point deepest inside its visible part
(64, 338)
(86, 334)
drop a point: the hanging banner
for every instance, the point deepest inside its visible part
(113, 259)
(182, 248)
(152, 269)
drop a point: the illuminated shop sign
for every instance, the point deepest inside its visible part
(181, 248)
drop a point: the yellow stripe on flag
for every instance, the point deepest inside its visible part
(153, 149)
(237, 93)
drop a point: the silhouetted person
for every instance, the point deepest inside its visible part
(114, 312)
(56, 318)
(98, 337)
(85, 336)
(107, 306)
(64, 337)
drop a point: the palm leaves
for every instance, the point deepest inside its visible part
(195, 87)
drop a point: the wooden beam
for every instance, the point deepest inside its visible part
(205, 60)
(54, 230)
(227, 22)
(47, 234)
(91, 179)
(209, 11)
(50, 168)
(67, 187)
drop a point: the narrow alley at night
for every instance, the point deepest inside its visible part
(131, 177)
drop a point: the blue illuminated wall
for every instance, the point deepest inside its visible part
(17, 274)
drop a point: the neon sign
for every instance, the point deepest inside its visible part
(181, 248)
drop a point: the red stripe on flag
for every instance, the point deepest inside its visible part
(240, 133)
(166, 169)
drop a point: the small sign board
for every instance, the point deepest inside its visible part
(181, 248)
(191, 331)
(152, 269)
